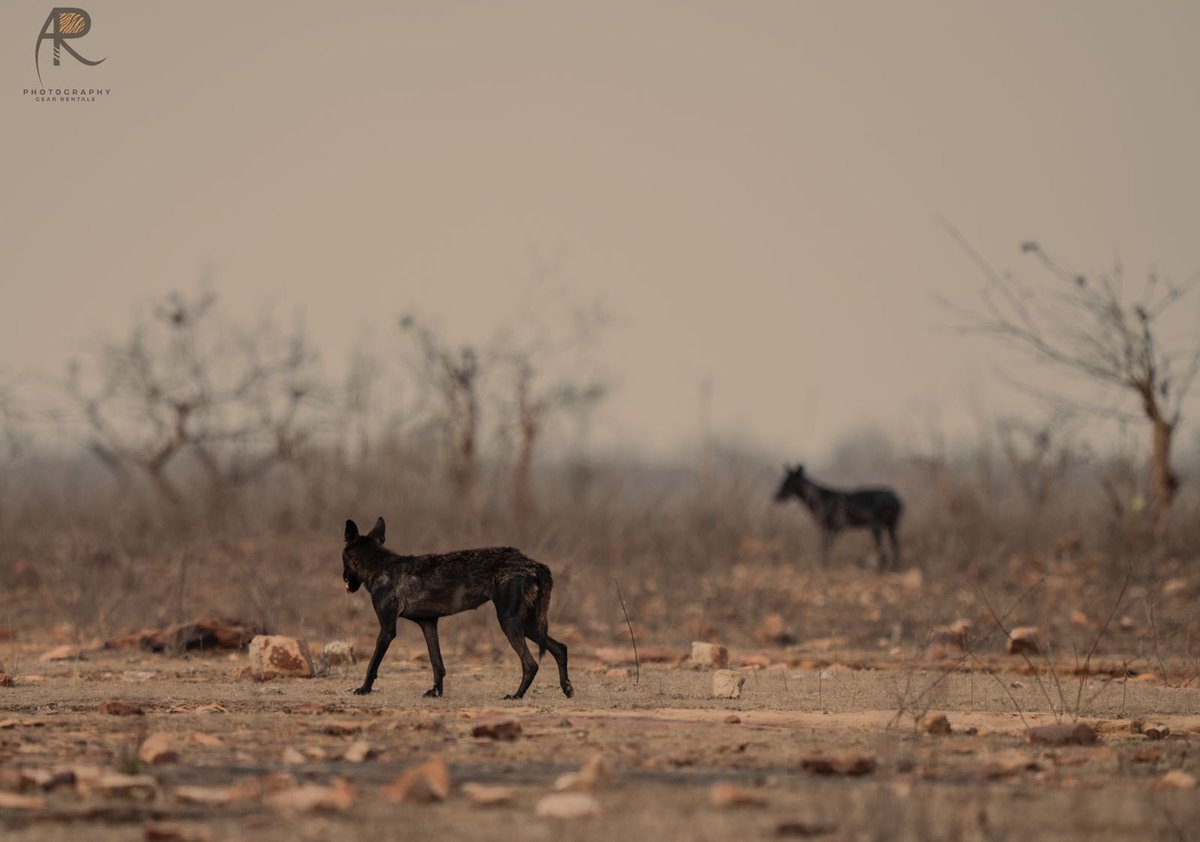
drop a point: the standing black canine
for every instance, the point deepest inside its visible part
(423, 588)
(877, 509)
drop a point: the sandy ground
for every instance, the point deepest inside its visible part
(668, 741)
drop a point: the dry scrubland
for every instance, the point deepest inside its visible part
(835, 734)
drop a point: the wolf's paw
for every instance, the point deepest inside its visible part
(361, 691)
(433, 693)
(567, 689)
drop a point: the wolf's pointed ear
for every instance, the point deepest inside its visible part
(377, 531)
(351, 531)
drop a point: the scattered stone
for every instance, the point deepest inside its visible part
(115, 783)
(158, 749)
(802, 830)
(316, 753)
(936, 652)
(912, 580)
(311, 708)
(1148, 755)
(1063, 733)
(207, 740)
(292, 757)
(1156, 732)
(342, 728)
(1068, 545)
(203, 634)
(1176, 779)
(773, 631)
(733, 719)
(727, 684)
(709, 655)
(115, 707)
(66, 652)
(312, 798)
(1078, 618)
(1175, 585)
(1022, 640)
(596, 773)
(6, 680)
(163, 832)
(497, 728)
(254, 789)
(1003, 764)
(276, 655)
(849, 764)
(212, 707)
(209, 796)
(358, 751)
(951, 635)
(645, 654)
(338, 652)
(568, 805)
(755, 659)
(422, 784)
(13, 801)
(47, 780)
(1125, 623)
(487, 795)
(731, 795)
(937, 725)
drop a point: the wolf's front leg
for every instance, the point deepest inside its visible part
(386, 635)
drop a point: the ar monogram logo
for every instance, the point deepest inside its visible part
(63, 25)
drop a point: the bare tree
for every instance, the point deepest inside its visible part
(12, 418)
(549, 351)
(1039, 456)
(1086, 326)
(454, 376)
(533, 409)
(186, 382)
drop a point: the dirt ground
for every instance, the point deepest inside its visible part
(667, 740)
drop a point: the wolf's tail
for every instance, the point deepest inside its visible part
(545, 583)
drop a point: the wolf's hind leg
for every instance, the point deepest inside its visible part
(558, 650)
(512, 614)
(429, 628)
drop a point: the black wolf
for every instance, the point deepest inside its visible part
(423, 588)
(877, 509)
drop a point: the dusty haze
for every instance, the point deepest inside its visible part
(754, 190)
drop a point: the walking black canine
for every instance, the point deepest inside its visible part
(423, 588)
(877, 509)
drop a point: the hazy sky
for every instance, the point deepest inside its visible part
(752, 188)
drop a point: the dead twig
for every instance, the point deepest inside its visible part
(637, 664)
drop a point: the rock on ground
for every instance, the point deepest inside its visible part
(732, 795)
(157, 749)
(709, 655)
(1023, 640)
(851, 765)
(568, 805)
(277, 655)
(311, 798)
(487, 795)
(422, 784)
(1063, 733)
(727, 684)
(497, 728)
(338, 652)
(595, 774)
